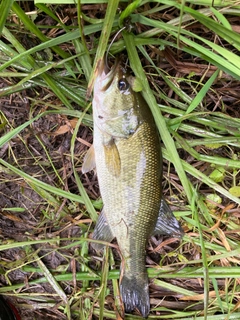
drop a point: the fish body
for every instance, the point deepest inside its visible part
(129, 167)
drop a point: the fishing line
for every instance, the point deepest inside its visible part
(111, 43)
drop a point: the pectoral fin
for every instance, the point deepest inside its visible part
(112, 158)
(102, 232)
(89, 160)
(167, 224)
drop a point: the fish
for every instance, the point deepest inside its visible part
(126, 154)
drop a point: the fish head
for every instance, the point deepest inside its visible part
(115, 104)
(108, 78)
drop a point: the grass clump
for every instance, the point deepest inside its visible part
(186, 57)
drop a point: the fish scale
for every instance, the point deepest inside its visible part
(127, 195)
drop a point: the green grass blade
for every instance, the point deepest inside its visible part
(104, 278)
(202, 93)
(43, 185)
(55, 285)
(225, 59)
(200, 205)
(5, 7)
(103, 41)
(34, 29)
(204, 179)
(90, 208)
(12, 133)
(84, 59)
(161, 124)
(51, 43)
(226, 33)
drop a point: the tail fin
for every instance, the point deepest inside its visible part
(135, 294)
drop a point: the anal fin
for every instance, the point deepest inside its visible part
(101, 232)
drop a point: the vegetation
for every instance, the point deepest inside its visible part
(186, 56)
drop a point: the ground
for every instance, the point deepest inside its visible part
(48, 268)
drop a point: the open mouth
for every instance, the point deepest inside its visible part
(107, 75)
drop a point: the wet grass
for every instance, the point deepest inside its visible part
(186, 56)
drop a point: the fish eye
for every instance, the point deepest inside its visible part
(123, 85)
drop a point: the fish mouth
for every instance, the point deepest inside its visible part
(106, 74)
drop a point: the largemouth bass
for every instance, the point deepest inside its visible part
(127, 155)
